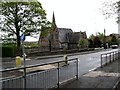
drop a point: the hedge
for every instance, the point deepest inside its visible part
(8, 51)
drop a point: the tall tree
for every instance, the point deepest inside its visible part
(90, 43)
(91, 37)
(22, 17)
(101, 37)
(111, 8)
(97, 42)
(114, 40)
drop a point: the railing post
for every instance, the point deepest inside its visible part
(77, 68)
(58, 84)
(101, 60)
(106, 59)
(24, 78)
(24, 73)
(113, 56)
(118, 54)
(110, 57)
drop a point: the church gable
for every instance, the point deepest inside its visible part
(61, 38)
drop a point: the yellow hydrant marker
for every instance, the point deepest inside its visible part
(18, 61)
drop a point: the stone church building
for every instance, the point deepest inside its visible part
(61, 38)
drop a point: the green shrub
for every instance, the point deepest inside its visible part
(31, 46)
(8, 51)
(34, 46)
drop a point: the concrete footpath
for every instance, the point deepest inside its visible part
(100, 78)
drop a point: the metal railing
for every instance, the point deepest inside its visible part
(50, 75)
(109, 57)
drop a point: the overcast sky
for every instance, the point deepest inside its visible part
(79, 15)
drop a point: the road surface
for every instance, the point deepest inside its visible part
(84, 59)
(86, 63)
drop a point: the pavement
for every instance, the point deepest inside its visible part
(100, 78)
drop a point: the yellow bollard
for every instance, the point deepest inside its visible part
(66, 59)
(18, 61)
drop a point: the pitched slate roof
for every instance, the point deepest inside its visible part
(66, 35)
(83, 35)
(63, 34)
(74, 37)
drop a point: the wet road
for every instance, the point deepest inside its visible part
(86, 63)
(87, 60)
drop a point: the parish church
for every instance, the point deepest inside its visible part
(61, 38)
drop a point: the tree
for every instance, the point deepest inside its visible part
(46, 29)
(101, 37)
(110, 9)
(83, 43)
(22, 17)
(96, 41)
(114, 40)
(91, 36)
(90, 43)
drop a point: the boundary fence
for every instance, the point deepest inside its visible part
(44, 79)
(109, 57)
